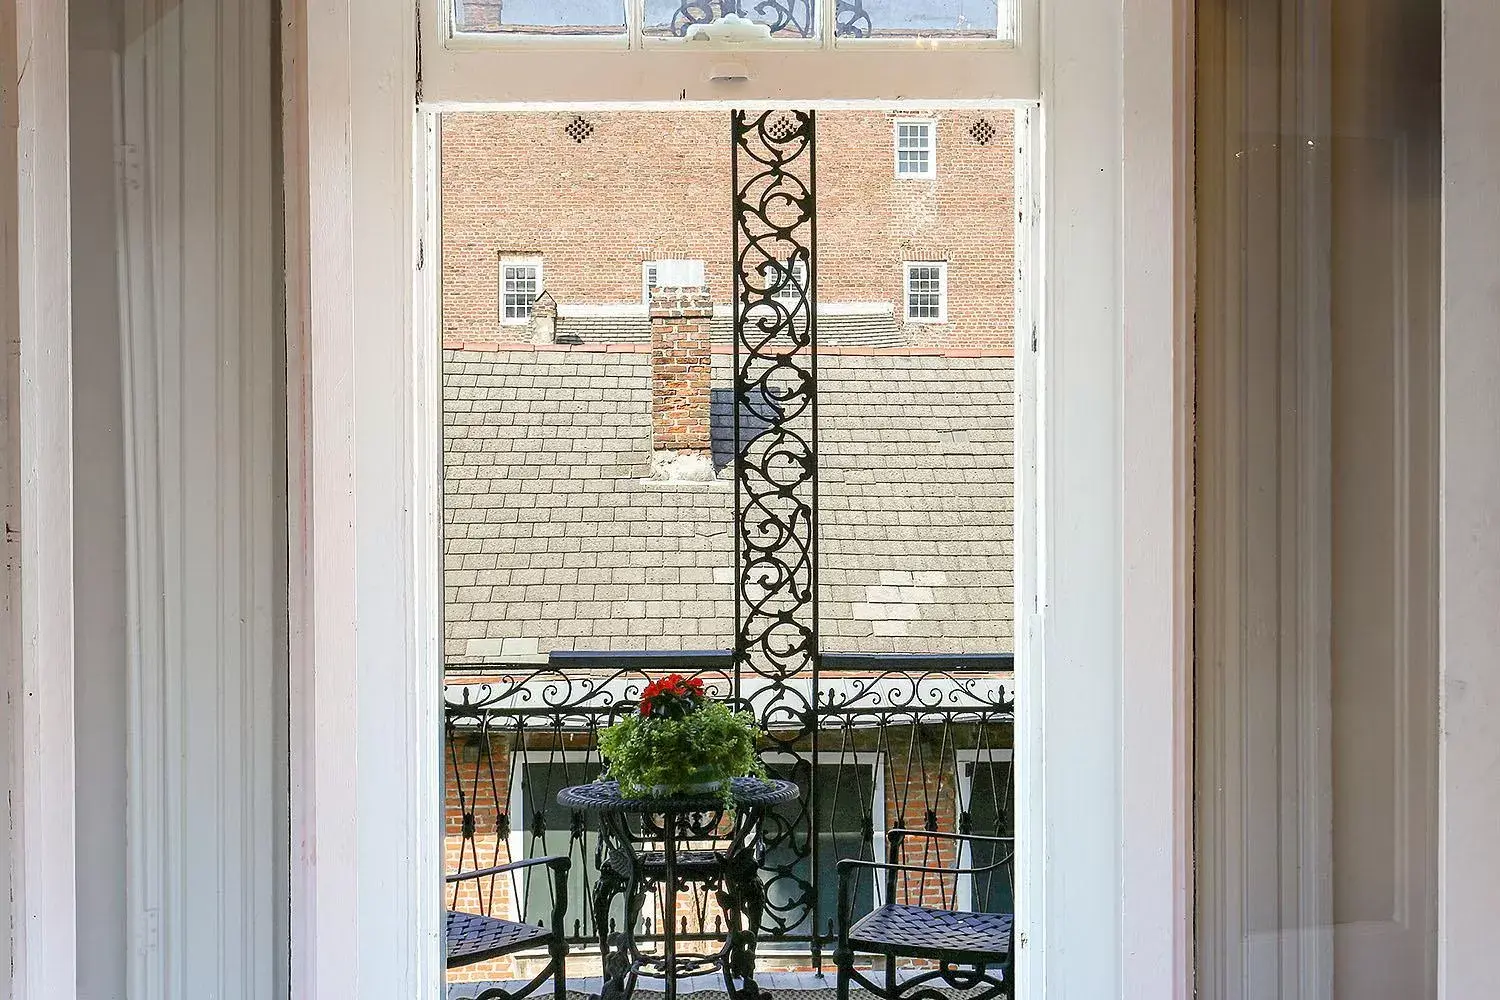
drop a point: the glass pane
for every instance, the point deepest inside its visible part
(923, 19)
(843, 828)
(785, 18)
(542, 17)
(546, 829)
(590, 483)
(988, 812)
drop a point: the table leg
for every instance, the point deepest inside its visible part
(669, 907)
(748, 900)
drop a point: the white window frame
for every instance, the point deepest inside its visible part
(942, 310)
(475, 69)
(688, 269)
(541, 286)
(1105, 468)
(648, 281)
(931, 149)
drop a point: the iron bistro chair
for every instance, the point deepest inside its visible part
(479, 937)
(972, 950)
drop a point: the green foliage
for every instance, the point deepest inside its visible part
(710, 743)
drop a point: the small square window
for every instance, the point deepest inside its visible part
(791, 291)
(520, 284)
(926, 292)
(916, 148)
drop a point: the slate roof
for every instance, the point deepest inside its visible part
(556, 539)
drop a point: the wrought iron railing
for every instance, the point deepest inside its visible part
(893, 741)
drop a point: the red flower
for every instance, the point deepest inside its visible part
(671, 696)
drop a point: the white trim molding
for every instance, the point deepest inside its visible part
(1469, 540)
(363, 360)
(1157, 239)
(36, 402)
(1107, 868)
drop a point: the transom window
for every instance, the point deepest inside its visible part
(916, 148)
(520, 284)
(854, 21)
(926, 292)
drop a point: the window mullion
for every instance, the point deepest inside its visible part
(635, 20)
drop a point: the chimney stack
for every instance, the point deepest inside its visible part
(680, 360)
(544, 319)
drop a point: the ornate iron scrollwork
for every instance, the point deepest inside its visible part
(776, 491)
(851, 20)
(783, 16)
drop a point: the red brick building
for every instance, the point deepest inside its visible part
(581, 205)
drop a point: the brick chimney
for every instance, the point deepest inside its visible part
(680, 359)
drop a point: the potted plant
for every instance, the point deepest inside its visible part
(679, 741)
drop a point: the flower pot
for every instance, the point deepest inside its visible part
(706, 784)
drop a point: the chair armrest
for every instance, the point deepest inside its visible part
(847, 866)
(554, 861)
(900, 834)
(558, 865)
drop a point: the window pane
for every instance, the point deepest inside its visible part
(785, 18)
(924, 292)
(542, 17)
(546, 829)
(844, 828)
(922, 19)
(989, 814)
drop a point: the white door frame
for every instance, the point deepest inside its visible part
(36, 428)
(1109, 662)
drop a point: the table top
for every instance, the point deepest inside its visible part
(604, 796)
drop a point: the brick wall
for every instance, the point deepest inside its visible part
(655, 185)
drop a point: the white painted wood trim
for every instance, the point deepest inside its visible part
(1469, 529)
(472, 70)
(35, 315)
(1111, 873)
(352, 626)
(1158, 299)
(363, 435)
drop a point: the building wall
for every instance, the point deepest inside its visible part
(650, 185)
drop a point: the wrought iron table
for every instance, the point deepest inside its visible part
(642, 844)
